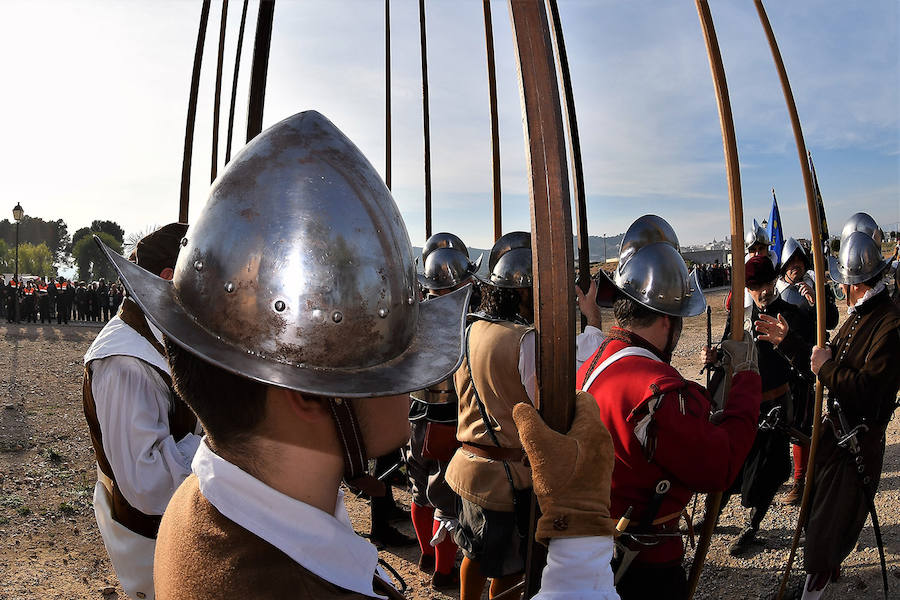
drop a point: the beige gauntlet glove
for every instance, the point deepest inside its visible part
(741, 355)
(571, 473)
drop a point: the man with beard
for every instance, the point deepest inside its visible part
(666, 447)
(781, 332)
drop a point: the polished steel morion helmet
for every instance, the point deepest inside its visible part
(646, 230)
(756, 235)
(654, 274)
(862, 222)
(513, 269)
(792, 247)
(507, 242)
(859, 259)
(446, 268)
(299, 273)
(443, 240)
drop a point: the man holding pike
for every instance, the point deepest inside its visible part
(859, 369)
(666, 447)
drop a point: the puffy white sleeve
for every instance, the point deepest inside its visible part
(586, 343)
(578, 569)
(132, 403)
(527, 363)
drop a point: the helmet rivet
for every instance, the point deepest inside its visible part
(382, 312)
(198, 264)
(337, 317)
(229, 287)
(279, 305)
(184, 241)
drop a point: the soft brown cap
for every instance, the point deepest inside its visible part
(159, 250)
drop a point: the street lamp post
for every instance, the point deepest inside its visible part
(18, 213)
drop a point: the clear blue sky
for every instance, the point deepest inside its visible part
(95, 97)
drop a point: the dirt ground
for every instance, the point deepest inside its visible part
(50, 547)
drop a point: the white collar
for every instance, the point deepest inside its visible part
(324, 544)
(119, 338)
(870, 293)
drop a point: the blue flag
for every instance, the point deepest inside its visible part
(776, 234)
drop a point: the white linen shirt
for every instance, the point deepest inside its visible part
(133, 402)
(586, 343)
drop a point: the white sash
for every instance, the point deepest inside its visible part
(628, 351)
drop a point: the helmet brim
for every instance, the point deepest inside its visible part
(836, 274)
(434, 352)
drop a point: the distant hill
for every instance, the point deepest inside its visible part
(595, 243)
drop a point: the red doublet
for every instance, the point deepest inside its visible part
(682, 445)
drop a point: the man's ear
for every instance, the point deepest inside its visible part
(307, 408)
(167, 273)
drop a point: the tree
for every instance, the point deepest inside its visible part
(110, 227)
(36, 260)
(90, 260)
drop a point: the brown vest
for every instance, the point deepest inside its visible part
(203, 555)
(494, 352)
(181, 422)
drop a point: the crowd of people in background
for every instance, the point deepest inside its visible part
(713, 274)
(43, 299)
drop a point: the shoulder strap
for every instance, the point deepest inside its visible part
(624, 352)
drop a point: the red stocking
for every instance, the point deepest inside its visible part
(445, 551)
(422, 518)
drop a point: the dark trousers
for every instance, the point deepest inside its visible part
(644, 581)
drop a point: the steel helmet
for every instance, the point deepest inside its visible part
(644, 231)
(446, 268)
(655, 275)
(756, 235)
(791, 247)
(859, 260)
(443, 240)
(299, 273)
(513, 269)
(513, 239)
(862, 222)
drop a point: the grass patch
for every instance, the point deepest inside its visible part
(67, 509)
(3, 520)
(11, 501)
(54, 456)
(23, 511)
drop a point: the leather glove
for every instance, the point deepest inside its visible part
(741, 355)
(571, 473)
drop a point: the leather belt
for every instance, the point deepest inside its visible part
(495, 453)
(775, 393)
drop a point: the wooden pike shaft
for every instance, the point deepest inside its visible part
(732, 169)
(426, 126)
(258, 72)
(234, 81)
(185, 198)
(217, 97)
(387, 93)
(562, 60)
(818, 265)
(551, 232)
(495, 126)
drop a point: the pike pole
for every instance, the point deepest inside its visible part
(733, 172)
(551, 234)
(818, 265)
